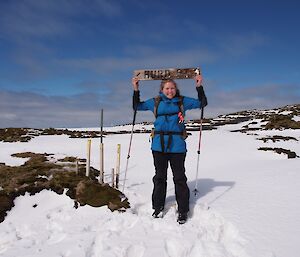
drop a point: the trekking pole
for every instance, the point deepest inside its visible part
(198, 151)
(129, 148)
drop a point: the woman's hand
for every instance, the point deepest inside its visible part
(135, 83)
(198, 80)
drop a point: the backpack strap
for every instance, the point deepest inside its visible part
(180, 104)
(157, 100)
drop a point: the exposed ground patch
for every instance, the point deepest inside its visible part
(277, 138)
(38, 174)
(280, 122)
(290, 154)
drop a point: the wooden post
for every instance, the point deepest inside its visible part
(101, 175)
(113, 177)
(118, 165)
(88, 159)
(77, 166)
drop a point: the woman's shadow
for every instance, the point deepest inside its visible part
(204, 187)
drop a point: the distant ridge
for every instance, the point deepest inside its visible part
(286, 117)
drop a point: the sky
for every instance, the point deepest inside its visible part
(61, 62)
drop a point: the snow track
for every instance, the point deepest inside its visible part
(54, 228)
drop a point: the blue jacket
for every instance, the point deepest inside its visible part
(168, 123)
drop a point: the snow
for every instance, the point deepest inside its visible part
(296, 118)
(285, 112)
(248, 202)
(139, 126)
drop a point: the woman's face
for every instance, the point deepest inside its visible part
(169, 90)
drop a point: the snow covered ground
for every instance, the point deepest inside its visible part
(248, 202)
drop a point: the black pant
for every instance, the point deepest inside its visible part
(182, 191)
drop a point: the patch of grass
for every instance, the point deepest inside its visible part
(196, 128)
(235, 120)
(280, 121)
(68, 159)
(38, 174)
(245, 130)
(277, 138)
(253, 123)
(280, 118)
(52, 131)
(290, 154)
(25, 134)
(14, 135)
(95, 194)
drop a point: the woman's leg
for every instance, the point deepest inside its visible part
(159, 180)
(182, 191)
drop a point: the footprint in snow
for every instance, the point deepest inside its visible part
(175, 248)
(56, 233)
(135, 251)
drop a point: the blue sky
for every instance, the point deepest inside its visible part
(62, 61)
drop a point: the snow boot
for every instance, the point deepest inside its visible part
(158, 213)
(182, 217)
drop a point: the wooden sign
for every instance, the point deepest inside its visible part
(163, 74)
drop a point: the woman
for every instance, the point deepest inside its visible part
(168, 141)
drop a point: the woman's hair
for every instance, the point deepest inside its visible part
(163, 82)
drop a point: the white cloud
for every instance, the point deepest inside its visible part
(263, 96)
(35, 110)
(25, 109)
